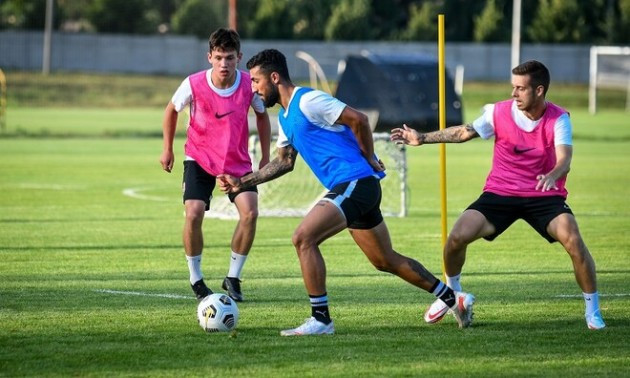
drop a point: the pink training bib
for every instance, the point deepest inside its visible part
(520, 156)
(217, 134)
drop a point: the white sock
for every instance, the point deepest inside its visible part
(236, 265)
(453, 282)
(592, 302)
(194, 267)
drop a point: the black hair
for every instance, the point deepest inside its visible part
(538, 73)
(270, 60)
(225, 40)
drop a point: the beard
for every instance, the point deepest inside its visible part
(272, 98)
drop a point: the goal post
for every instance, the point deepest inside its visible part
(295, 193)
(609, 67)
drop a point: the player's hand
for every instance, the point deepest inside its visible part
(545, 182)
(264, 161)
(228, 183)
(405, 135)
(377, 165)
(167, 159)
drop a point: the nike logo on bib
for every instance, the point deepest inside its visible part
(219, 116)
(522, 150)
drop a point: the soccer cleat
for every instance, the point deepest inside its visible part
(595, 321)
(436, 312)
(201, 290)
(233, 287)
(311, 326)
(463, 308)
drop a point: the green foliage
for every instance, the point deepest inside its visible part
(199, 17)
(27, 14)
(422, 24)
(123, 16)
(309, 18)
(488, 25)
(350, 21)
(622, 30)
(543, 21)
(272, 20)
(458, 17)
(558, 21)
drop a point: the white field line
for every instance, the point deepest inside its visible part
(135, 193)
(138, 293)
(601, 295)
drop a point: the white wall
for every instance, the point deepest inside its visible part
(178, 55)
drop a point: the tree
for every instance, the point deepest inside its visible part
(199, 17)
(422, 25)
(389, 18)
(23, 14)
(623, 30)
(349, 21)
(558, 21)
(123, 16)
(458, 15)
(308, 18)
(488, 24)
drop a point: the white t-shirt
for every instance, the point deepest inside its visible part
(183, 94)
(484, 125)
(319, 108)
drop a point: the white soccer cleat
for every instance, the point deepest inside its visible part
(463, 309)
(311, 326)
(436, 312)
(595, 320)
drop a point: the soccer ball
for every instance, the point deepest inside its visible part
(217, 313)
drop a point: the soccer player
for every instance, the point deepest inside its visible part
(336, 142)
(532, 156)
(217, 142)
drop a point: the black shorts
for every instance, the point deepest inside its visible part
(359, 201)
(502, 211)
(198, 184)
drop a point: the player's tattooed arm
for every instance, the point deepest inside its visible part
(454, 134)
(283, 163)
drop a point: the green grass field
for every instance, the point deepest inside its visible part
(74, 250)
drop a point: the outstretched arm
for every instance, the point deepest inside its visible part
(453, 134)
(282, 164)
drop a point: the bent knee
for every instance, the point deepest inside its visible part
(302, 240)
(249, 216)
(457, 240)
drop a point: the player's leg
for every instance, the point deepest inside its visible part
(376, 245)
(247, 206)
(564, 229)
(323, 221)
(197, 188)
(193, 245)
(470, 226)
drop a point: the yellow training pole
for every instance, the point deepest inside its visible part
(442, 122)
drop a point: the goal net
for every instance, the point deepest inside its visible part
(293, 194)
(609, 68)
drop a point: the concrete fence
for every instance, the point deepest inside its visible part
(182, 55)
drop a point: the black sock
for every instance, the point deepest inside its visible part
(443, 292)
(319, 308)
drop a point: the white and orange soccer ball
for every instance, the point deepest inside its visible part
(217, 313)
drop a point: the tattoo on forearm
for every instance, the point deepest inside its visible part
(276, 168)
(455, 134)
